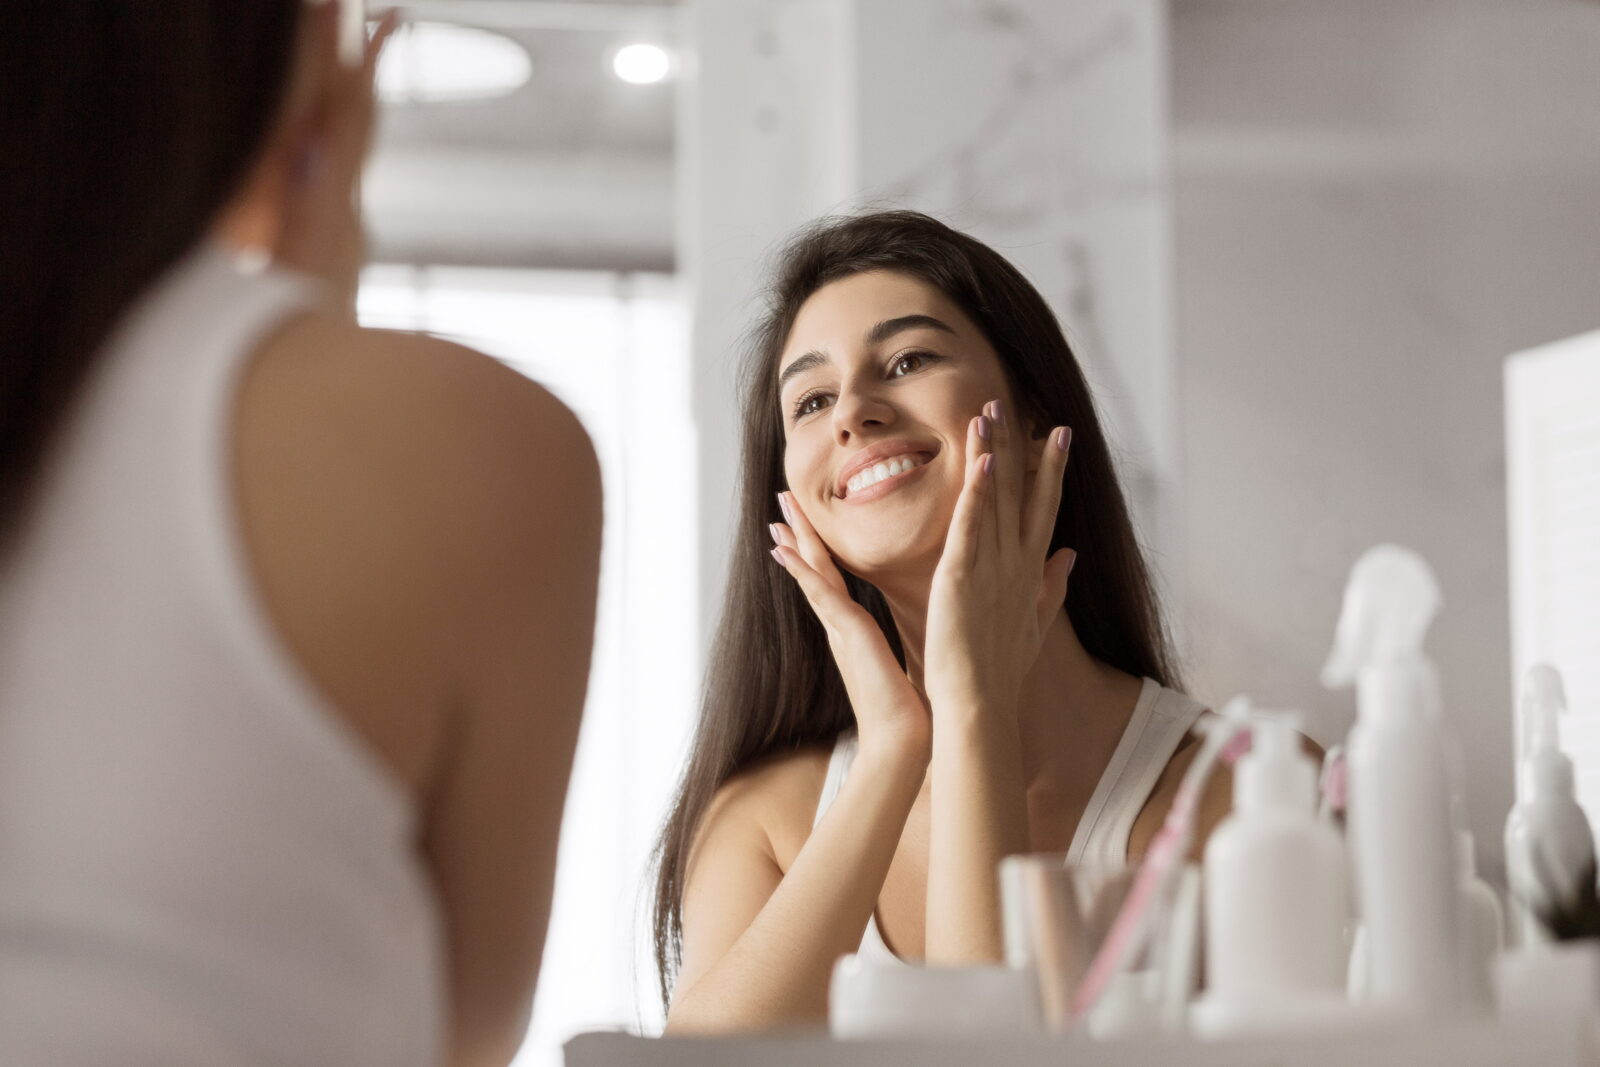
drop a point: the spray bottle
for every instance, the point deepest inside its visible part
(1276, 899)
(1550, 857)
(1403, 842)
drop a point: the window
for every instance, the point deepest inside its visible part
(1553, 476)
(614, 348)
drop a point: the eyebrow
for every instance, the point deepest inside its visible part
(875, 336)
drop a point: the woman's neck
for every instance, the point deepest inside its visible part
(1072, 708)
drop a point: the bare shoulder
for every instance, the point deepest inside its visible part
(422, 391)
(400, 498)
(409, 437)
(1216, 802)
(772, 801)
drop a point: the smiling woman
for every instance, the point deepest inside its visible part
(910, 402)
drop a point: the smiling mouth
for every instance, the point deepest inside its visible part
(868, 477)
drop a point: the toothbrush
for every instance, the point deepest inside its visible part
(1227, 737)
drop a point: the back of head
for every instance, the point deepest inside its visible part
(127, 125)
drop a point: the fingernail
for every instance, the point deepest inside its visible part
(772, 528)
(988, 462)
(778, 557)
(783, 506)
(1064, 438)
(999, 416)
(983, 427)
(1072, 560)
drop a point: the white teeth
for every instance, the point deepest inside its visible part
(879, 471)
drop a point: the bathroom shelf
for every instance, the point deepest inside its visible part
(1482, 1044)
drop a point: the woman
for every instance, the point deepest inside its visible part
(910, 694)
(295, 617)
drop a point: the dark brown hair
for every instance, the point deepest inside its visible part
(125, 127)
(771, 683)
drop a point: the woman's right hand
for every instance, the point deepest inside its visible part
(889, 711)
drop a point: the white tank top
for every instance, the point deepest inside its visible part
(200, 862)
(1161, 718)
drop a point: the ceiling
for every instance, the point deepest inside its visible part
(573, 170)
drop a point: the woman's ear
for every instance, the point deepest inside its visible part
(253, 220)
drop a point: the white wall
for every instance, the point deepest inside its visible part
(1376, 202)
(763, 119)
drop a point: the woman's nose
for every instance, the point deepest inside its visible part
(860, 410)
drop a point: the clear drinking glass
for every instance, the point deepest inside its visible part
(1058, 917)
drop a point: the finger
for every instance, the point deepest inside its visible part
(830, 602)
(807, 543)
(385, 29)
(1045, 502)
(1008, 474)
(967, 523)
(1053, 586)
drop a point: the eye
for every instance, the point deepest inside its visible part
(809, 404)
(907, 362)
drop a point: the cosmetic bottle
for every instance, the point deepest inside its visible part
(1482, 928)
(1402, 840)
(1276, 900)
(1550, 856)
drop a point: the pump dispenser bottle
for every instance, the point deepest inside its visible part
(1550, 858)
(1275, 899)
(1403, 843)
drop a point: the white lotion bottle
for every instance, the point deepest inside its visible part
(1549, 844)
(1402, 841)
(1276, 900)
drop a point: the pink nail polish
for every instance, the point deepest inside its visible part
(999, 416)
(983, 427)
(988, 463)
(783, 506)
(1063, 438)
(772, 528)
(778, 556)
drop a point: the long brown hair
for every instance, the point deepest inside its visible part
(126, 126)
(771, 684)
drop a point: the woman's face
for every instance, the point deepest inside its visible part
(878, 379)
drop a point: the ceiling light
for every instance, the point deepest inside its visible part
(641, 64)
(435, 62)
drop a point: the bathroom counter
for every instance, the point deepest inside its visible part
(1461, 1045)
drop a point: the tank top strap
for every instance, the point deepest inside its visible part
(1161, 719)
(872, 946)
(839, 761)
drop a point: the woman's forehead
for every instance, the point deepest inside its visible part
(845, 312)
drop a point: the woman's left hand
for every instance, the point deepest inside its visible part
(994, 593)
(321, 229)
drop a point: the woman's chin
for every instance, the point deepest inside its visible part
(874, 563)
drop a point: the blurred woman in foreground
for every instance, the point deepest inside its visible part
(295, 617)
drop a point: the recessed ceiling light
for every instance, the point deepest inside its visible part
(436, 62)
(641, 64)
